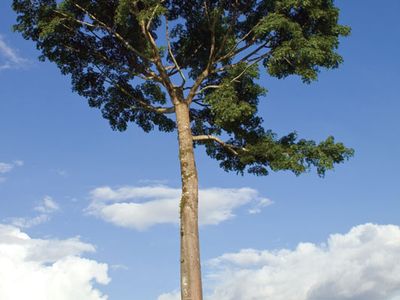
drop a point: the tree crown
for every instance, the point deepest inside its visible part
(136, 59)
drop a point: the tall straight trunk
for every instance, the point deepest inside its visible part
(191, 288)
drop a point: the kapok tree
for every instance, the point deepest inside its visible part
(193, 67)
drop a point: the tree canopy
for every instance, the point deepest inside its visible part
(132, 58)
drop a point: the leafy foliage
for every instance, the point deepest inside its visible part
(124, 59)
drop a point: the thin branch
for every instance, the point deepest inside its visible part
(234, 50)
(66, 16)
(199, 102)
(152, 16)
(147, 74)
(213, 86)
(249, 66)
(254, 62)
(231, 148)
(144, 105)
(113, 32)
(158, 62)
(172, 54)
(196, 85)
(206, 71)
(255, 51)
(228, 31)
(246, 59)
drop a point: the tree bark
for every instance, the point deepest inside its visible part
(191, 287)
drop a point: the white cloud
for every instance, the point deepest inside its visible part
(142, 207)
(47, 205)
(9, 57)
(362, 264)
(38, 269)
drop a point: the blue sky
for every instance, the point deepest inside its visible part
(62, 169)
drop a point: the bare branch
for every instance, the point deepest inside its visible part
(158, 62)
(231, 148)
(213, 86)
(196, 85)
(198, 102)
(172, 54)
(152, 16)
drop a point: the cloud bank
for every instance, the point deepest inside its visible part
(142, 207)
(362, 264)
(37, 269)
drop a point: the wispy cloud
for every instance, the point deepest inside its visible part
(38, 269)
(119, 267)
(142, 207)
(29, 222)
(46, 208)
(5, 168)
(8, 167)
(47, 205)
(259, 205)
(9, 57)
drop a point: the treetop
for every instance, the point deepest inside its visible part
(136, 60)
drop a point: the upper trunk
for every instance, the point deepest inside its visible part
(191, 288)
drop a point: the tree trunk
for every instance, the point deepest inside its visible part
(191, 288)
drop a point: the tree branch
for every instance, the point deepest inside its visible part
(206, 71)
(113, 32)
(234, 50)
(146, 74)
(158, 62)
(172, 54)
(254, 62)
(152, 16)
(231, 148)
(144, 105)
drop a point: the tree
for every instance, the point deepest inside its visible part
(193, 67)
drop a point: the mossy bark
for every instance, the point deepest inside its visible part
(191, 287)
